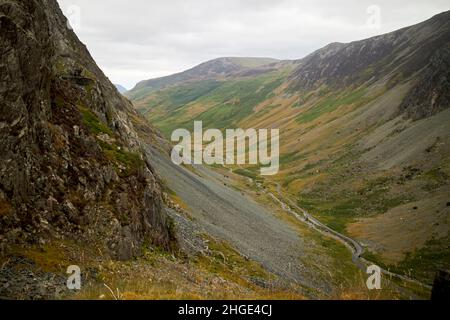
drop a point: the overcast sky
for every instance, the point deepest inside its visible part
(142, 39)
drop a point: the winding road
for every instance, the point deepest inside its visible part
(356, 248)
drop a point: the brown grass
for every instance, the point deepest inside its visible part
(157, 275)
(5, 208)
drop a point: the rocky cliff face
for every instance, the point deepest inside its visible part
(431, 93)
(71, 164)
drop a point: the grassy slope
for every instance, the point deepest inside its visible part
(144, 90)
(228, 102)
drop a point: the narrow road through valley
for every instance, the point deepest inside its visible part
(355, 247)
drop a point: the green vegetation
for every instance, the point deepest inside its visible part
(93, 124)
(291, 157)
(225, 261)
(331, 103)
(177, 97)
(251, 172)
(337, 214)
(417, 289)
(288, 180)
(246, 173)
(49, 258)
(345, 271)
(435, 179)
(337, 210)
(129, 160)
(425, 262)
(334, 215)
(229, 102)
(235, 100)
(421, 264)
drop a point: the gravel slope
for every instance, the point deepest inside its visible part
(228, 215)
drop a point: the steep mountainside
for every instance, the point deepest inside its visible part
(420, 51)
(71, 162)
(221, 68)
(365, 140)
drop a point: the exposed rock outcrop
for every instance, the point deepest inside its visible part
(431, 94)
(71, 163)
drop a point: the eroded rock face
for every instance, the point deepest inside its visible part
(71, 164)
(431, 94)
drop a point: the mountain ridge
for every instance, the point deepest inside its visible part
(219, 68)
